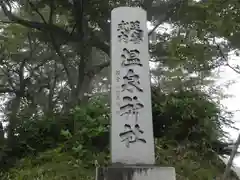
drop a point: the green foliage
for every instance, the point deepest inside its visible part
(186, 114)
(190, 152)
(52, 53)
(189, 163)
(52, 165)
(91, 123)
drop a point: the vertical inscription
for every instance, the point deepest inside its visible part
(130, 32)
(131, 118)
(118, 90)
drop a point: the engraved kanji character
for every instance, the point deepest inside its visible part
(130, 57)
(117, 72)
(118, 79)
(124, 30)
(131, 106)
(117, 75)
(136, 32)
(132, 135)
(131, 80)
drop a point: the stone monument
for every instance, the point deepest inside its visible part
(132, 142)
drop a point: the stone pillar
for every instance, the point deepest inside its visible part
(132, 142)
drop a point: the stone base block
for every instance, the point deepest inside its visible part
(126, 172)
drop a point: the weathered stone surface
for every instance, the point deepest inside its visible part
(136, 173)
(131, 127)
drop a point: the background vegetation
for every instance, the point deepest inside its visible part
(54, 85)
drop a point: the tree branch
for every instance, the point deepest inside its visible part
(78, 16)
(95, 42)
(37, 11)
(81, 25)
(170, 7)
(230, 161)
(52, 8)
(54, 29)
(33, 69)
(97, 68)
(155, 27)
(226, 59)
(6, 90)
(63, 60)
(30, 45)
(9, 78)
(6, 22)
(147, 4)
(234, 69)
(21, 75)
(56, 47)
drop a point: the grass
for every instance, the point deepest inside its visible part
(57, 165)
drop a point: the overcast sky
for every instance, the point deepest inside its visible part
(232, 103)
(226, 74)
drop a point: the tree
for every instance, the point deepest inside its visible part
(62, 53)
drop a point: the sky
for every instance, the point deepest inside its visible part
(232, 104)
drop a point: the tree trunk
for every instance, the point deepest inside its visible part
(14, 108)
(2, 139)
(230, 161)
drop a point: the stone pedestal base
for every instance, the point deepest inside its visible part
(136, 173)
